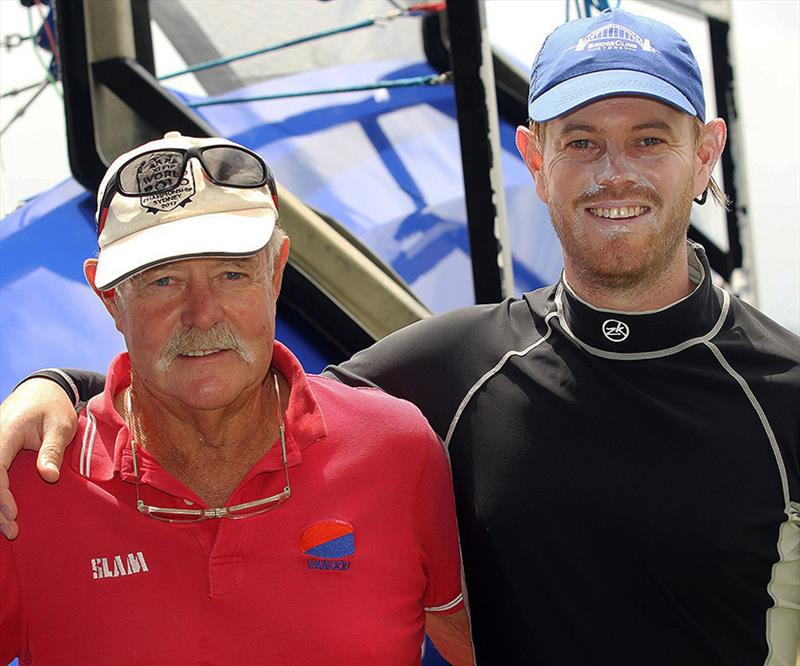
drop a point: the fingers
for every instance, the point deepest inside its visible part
(48, 463)
(12, 437)
(37, 415)
(8, 508)
(56, 434)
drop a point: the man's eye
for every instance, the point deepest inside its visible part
(651, 141)
(580, 144)
(162, 282)
(234, 275)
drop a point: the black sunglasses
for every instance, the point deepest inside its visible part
(159, 171)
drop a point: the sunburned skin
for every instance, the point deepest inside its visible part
(618, 177)
(191, 327)
(618, 159)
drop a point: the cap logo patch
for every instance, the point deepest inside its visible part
(613, 37)
(158, 172)
(616, 330)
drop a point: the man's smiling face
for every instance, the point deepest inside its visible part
(618, 176)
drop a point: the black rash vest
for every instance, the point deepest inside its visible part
(627, 485)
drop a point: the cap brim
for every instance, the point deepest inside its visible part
(580, 90)
(233, 233)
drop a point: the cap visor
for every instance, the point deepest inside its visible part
(234, 233)
(572, 93)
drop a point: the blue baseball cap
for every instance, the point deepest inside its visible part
(611, 54)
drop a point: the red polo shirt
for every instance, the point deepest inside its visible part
(341, 573)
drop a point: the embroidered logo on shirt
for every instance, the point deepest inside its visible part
(327, 542)
(616, 330)
(119, 565)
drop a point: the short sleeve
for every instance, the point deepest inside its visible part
(10, 611)
(438, 532)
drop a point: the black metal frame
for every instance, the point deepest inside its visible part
(728, 261)
(480, 149)
(143, 37)
(139, 89)
(85, 162)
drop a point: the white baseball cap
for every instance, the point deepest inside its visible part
(179, 198)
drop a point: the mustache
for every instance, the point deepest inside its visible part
(220, 336)
(600, 193)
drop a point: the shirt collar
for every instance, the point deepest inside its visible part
(104, 447)
(614, 332)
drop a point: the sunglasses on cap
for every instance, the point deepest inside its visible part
(159, 171)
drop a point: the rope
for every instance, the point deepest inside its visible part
(51, 40)
(21, 111)
(431, 80)
(41, 62)
(14, 39)
(275, 47)
(17, 91)
(365, 23)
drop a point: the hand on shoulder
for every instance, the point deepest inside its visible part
(37, 416)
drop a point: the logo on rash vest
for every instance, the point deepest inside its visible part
(326, 543)
(118, 565)
(614, 37)
(159, 172)
(616, 330)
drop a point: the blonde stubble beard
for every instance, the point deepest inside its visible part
(614, 268)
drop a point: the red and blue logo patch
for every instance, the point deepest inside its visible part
(329, 539)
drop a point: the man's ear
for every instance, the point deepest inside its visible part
(280, 264)
(108, 297)
(709, 148)
(526, 145)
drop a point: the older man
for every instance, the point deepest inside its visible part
(220, 506)
(624, 443)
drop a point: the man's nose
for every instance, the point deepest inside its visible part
(615, 169)
(201, 306)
